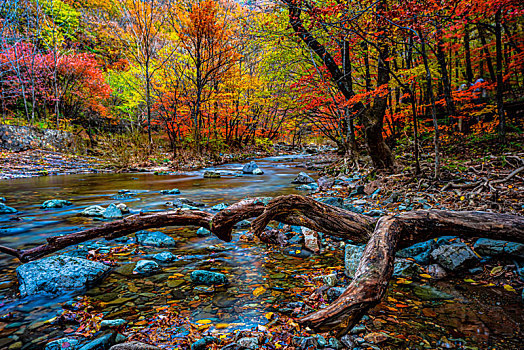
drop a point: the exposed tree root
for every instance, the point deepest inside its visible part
(383, 238)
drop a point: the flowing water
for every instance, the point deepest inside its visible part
(470, 320)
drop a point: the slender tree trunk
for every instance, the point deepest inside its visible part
(441, 59)
(467, 50)
(487, 55)
(500, 83)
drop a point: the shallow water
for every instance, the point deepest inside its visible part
(478, 317)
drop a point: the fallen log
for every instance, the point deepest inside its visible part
(383, 238)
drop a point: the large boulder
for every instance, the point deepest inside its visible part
(455, 256)
(154, 239)
(492, 247)
(56, 274)
(303, 178)
(208, 278)
(420, 252)
(55, 203)
(251, 168)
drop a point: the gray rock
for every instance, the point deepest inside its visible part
(333, 293)
(393, 198)
(145, 267)
(63, 344)
(102, 343)
(334, 201)
(123, 208)
(4, 209)
(112, 212)
(154, 239)
(59, 273)
(406, 268)
(352, 255)
(93, 210)
(420, 252)
(172, 191)
(248, 343)
(325, 183)
(55, 203)
(436, 271)
(203, 232)
(208, 278)
(308, 187)
(357, 191)
(374, 212)
(455, 256)
(112, 323)
(243, 224)
(250, 168)
(210, 174)
(492, 247)
(134, 345)
(258, 171)
(164, 257)
(303, 178)
(202, 344)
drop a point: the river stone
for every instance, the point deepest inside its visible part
(55, 274)
(123, 207)
(436, 271)
(325, 183)
(203, 232)
(248, 343)
(352, 255)
(258, 171)
(134, 345)
(357, 191)
(303, 178)
(250, 167)
(101, 343)
(164, 257)
(172, 191)
(430, 293)
(63, 344)
(93, 210)
(243, 224)
(145, 267)
(112, 212)
(308, 187)
(455, 256)
(311, 240)
(334, 201)
(420, 252)
(112, 323)
(55, 203)
(208, 278)
(5, 209)
(209, 174)
(492, 247)
(154, 239)
(202, 344)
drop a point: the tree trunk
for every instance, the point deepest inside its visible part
(500, 82)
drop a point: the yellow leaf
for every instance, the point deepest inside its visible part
(404, 281)
(221, 325)
(462, 198)
(496, 270)
(259, 291)
(425, 275)
(203, 321)
(469, 280)
(509, 288)
(269, 315)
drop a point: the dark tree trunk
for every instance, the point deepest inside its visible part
(500, 82)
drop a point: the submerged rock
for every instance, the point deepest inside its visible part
(63, 344)
(430, 293)
(303, 178)
(203, 232)
(250, 343)
(172, 191)
(218, 207)
(352, 255)
(164, 257)
(112, 212)
(145, 267)
(333, 201)
(154, 239)
(55, 203)
(202, 344)
(208, 278)
(209, 174)
(308, 187)
(5, 209)
(112, 323)
(455, 256)
(492, 247)
(243, 224)
(93, 210)
(251, 168)
(56, 274)
(101, 343)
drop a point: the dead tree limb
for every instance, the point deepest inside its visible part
(383, 238)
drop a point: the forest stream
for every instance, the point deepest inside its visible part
(263, 279)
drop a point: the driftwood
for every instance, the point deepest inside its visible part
(383, 237)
